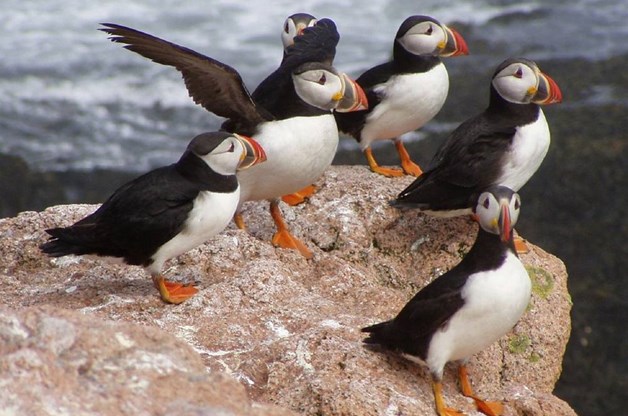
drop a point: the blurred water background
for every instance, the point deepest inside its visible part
(79, 116)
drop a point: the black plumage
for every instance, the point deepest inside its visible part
(316, 44)
(477, 153)
(219, 88)
(431, 308)
(145, 213)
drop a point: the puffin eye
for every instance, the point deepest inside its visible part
(519, 73)
(286, 28)
(429, 30)
(486, 203)
(517, 203)
(322, 80)
(231, 148)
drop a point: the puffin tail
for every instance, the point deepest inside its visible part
(64, 241)
(379, 333)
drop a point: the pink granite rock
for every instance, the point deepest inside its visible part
(287, 329)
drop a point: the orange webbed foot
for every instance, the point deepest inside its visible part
(411, 168)
(299, 197)
(489, 408)
(389, 172)
(486, 407)
(408, 166)
(520, 246)
(284, 239)
(238, 219)
(173, 292)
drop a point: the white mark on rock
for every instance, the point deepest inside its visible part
(123, 340)
(418, 243)
(71, 289)
(11, 328)
(303, 357)
(391, 410)
(330, 323)
(109, 300)
(244, 378)
(65, 261)
(278, 329)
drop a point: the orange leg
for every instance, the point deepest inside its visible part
(488, 408)
(378, 169)
(409, 167)
(282, 237)
(172, 292)
(299, 197)
(238, 219)
(441, 409)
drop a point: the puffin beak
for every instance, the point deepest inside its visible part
(505, 229)
(547, 92)
(455, 45)
(253, 153)
(353, 98)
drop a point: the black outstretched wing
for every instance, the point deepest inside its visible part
(215, 86)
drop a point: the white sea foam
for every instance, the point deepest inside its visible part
(70, 99)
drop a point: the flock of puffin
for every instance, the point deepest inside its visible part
(279, 140)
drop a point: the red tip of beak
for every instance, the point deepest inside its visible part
(554, 93)
(363, 102)
(461, 45)
(504, 224)
(254, 152)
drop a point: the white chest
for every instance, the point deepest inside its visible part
(408, 101)
(298, 150)
(211, 214)
(494, 302)
(529, 147)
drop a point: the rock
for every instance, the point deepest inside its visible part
(287, 329)
(61, 362)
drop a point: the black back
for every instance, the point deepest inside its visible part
(141, 215)
(276, 93)
(411, 331)
(403, 62)
(471, 159)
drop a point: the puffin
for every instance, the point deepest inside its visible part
(469, 307)
(406, 92)
(294, 26)
(503, 145)
(289, 113)
(165, 212)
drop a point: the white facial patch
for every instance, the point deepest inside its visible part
(319, 88)
(423, 38)
(516, 82)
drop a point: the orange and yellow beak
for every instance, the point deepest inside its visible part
(547, 91)
(353, 98)
(455, 45)
(253, 153)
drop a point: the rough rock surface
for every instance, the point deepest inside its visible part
(285, 328)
